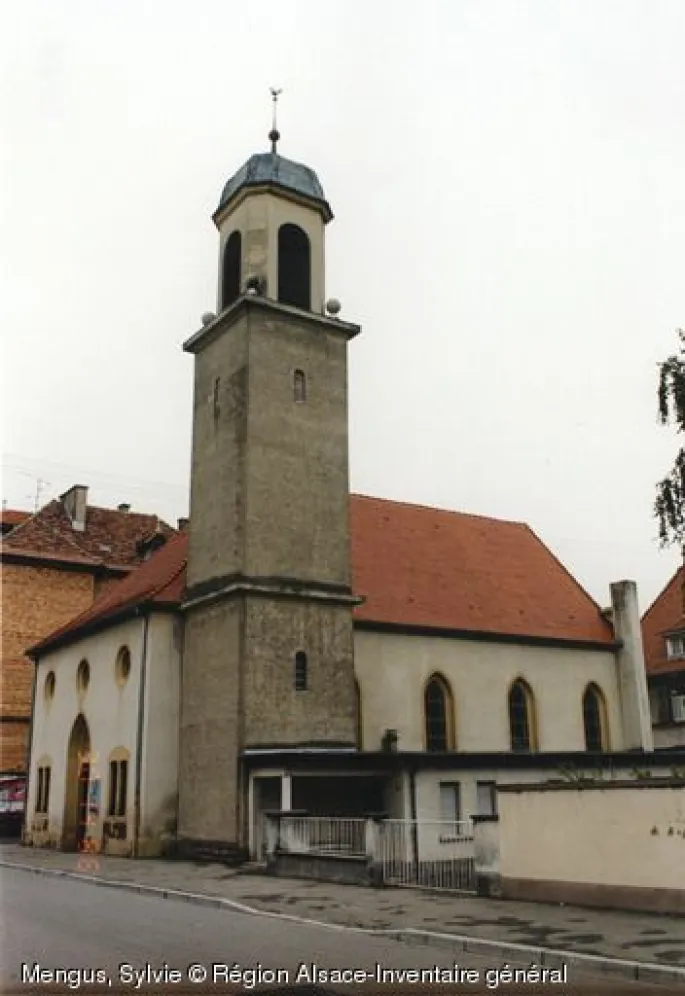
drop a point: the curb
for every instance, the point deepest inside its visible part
(636, 971)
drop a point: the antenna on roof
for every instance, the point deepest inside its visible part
(274, 134)
(40, 486)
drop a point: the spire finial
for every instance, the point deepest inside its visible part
(274, 134)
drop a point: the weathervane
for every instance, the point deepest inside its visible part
(274, 134)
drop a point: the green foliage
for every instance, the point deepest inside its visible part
(669, 507)
(580, 776)
(569, 773)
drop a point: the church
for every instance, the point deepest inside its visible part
(300, 648)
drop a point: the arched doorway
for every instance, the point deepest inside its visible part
(75, 824)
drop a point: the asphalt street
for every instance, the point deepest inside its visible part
(50, 924)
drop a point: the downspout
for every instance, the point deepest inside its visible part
(242, 834)
(29, 751)
(414, 824)
(139, 742)
(179, 735)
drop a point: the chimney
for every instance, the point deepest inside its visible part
(75, 502)
(182, 525)
(630, 660)
(123, 507)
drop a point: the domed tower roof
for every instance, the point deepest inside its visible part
(269, 169)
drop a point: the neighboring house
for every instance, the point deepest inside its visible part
(301, 647)
(10, 518)
(54, 564)
(663, 634)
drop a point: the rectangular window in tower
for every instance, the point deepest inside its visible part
(300, 671)
(300, 386)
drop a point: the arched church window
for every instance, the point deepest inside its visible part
(83, 676)
(50, 682)
(122, 666)
(294, 267)
(300, 386)
(300, 671)
(438, 715)
(522, 723)
(595, 719)
(230, 278)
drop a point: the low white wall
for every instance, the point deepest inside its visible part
(669, 736)
(618, 844)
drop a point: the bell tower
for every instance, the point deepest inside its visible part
(271, 220)
(268, 656)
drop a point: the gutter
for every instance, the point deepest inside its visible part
(29, 750)
(484, 636)
(142, 687)
(93, 626)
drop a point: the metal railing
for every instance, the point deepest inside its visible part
(428, 854)
(420, 854)
(322, 835)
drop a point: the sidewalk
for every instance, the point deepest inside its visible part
(634, 937)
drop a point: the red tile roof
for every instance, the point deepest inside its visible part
(664, 615)
(109, 539)
(13, 516)
(159, 581)
(417, 567)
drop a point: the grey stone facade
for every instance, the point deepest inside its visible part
(268, 567)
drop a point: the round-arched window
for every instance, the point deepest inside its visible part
(522, 720)
(122, 667)
(83, 676)
(49, 687)
(294, 267)
(438, 717)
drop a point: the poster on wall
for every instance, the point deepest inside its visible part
(12, 795)
(94, 798)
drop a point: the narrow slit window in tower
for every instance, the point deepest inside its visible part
(300, 385)
(300, 671)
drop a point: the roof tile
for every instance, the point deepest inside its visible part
(13, 516)
(665, 614)
(419, 567)
(110, 537)
(432, 567)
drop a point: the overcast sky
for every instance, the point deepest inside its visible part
(507, 181)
